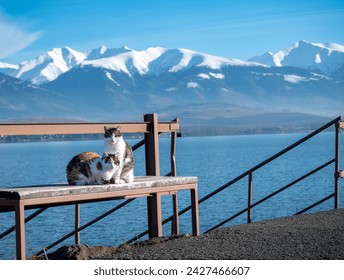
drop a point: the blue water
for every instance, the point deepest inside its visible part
(215, 160)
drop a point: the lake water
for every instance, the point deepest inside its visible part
(215, 160)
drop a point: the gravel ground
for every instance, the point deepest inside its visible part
(316, 236)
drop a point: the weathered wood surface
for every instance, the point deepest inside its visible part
(140, 183)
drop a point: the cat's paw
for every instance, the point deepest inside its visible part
(122, 181)
(117, 180)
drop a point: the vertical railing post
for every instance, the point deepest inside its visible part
(337, 171)
(152, 146)
(175, 220)
(153, 169)
(77, 224)
(173, 151)
(249, 199)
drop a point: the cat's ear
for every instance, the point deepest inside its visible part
(105, 154)
(105, 128)
(119, 127)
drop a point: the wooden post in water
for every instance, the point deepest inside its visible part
(153, 169)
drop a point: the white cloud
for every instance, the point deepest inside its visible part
(13, 37)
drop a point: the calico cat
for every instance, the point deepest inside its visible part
(89, 168)
(114, 144)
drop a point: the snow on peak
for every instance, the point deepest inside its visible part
(326, 57)
(330, 46)
(154, 60)
(8, 65)
(103, 52)
(125, 60)
(50, 65)
(189, 58)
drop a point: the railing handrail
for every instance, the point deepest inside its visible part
(14, 129)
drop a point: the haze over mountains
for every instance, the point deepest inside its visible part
(298, 86)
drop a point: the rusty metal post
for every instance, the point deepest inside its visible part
(175, 219)
(153, 169)
(77, 223)
(194, 212)
(249, 199)
(337, 171)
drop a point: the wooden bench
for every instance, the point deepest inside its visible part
(23, 198)
(152, 186)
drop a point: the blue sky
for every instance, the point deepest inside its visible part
(235, 29)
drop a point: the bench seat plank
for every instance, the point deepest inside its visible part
(58, 190)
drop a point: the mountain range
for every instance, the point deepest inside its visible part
(296, 87)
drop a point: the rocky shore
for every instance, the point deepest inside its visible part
(318, 236)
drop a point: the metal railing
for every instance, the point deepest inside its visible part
(337, 123)
(151, 127)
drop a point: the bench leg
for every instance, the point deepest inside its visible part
(20, 231)
(154, 215)
(194, 212)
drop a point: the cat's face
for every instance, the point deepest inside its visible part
(110, 161)
(112, 134)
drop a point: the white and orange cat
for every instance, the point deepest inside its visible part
(89, 168)
(115, 144)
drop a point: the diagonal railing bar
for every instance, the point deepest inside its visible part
(293, 182)
(274, 193)
(86, 225)
(292, 146)
(29, 218)
(228, 219)
(138, 145)
(315, 204)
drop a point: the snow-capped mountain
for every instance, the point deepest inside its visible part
(120, 83)
(49, 66)
(156, 60)
(326, 57)
(46, 67)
